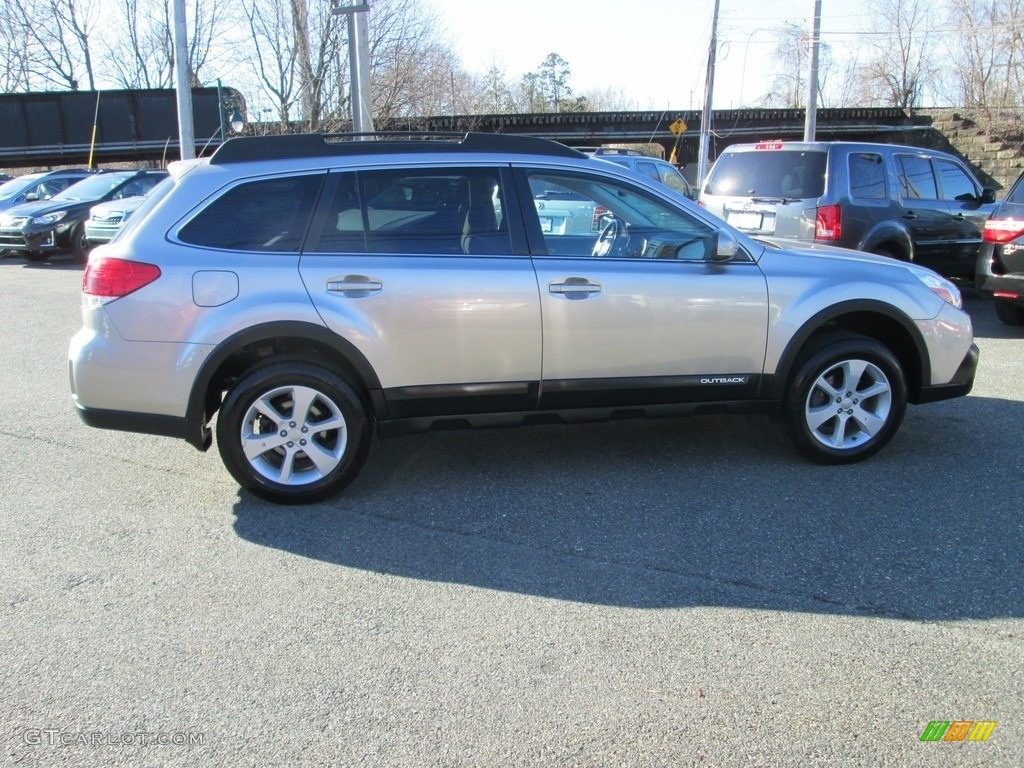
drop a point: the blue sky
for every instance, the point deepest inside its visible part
(652, 51)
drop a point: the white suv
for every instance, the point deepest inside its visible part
(312, 291)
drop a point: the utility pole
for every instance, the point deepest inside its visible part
(359, 66)
(811, 119)
(705, 116)
(183, 85)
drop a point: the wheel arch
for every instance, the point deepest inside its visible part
(240, 352)
(872, 319)
(890, 237)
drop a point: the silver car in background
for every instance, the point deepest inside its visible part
(106, 219)
(308, 292)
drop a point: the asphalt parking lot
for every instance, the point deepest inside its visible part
(668, 593)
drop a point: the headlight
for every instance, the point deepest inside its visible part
(49, 218)
(942, 288)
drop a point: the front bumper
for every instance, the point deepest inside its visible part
(22, 240)
(99, 235)
(959, 386)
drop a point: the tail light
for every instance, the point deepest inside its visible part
(1002, 230)
(828, 223)
(114, 278)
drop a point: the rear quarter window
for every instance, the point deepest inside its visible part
(264, 215)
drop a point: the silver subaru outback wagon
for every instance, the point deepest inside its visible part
(309, 291)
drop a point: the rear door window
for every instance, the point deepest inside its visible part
(917, 182)
(418, 211)
(769, 173)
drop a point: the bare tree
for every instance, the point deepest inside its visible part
(789, 88)
(14, 52)
(900, 69)
(142, 56)
(56, 34)
(987, 68)
(273, 55)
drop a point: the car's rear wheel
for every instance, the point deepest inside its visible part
(293, 432)
(1009, 312)
(846, 399)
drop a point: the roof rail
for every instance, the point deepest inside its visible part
(252, 148)
(618, 151)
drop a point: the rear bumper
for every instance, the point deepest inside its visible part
(196, 435)
(959, 386)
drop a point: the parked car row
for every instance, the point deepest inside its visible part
(912, 204)
(45, 213)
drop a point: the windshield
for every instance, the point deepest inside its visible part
(768, 173)
(94, 187)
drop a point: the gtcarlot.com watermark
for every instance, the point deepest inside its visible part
(60, 737)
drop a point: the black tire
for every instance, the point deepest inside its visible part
(329, 416)
(79, 245)
(862, 382)
(1009, 312)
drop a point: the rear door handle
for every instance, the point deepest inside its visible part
(574, 287)
(909, 215)
(355, 285)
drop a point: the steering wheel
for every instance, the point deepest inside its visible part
(606, 241)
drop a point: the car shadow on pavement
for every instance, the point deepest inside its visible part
(708, 510)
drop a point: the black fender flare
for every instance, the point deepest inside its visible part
(198, 433)
(814, 324)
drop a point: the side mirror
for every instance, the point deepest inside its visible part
(31, 197)
(988, 195)
(725, 246)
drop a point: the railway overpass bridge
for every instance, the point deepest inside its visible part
(56, 128)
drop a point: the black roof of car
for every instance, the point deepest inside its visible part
(255, 148)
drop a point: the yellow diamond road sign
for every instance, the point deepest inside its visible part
(678, 126)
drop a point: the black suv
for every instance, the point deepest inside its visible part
(913, 204)
(1000, 267)
(38, 229)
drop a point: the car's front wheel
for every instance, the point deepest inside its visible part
(293, 432)
(79, 245)
(846, 399)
